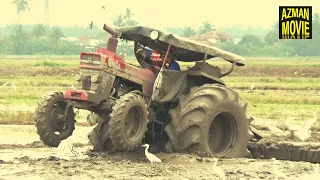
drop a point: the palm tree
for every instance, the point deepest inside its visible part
(188, 31)
(119, 21)
(206, 27)
(131, 22)
(128, 13)
(56, 34)
(19, 40)
(22, 6)
(39, 30)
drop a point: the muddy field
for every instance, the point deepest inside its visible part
(286, 92)
(22, 155)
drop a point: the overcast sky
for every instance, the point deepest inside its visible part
(162, 13)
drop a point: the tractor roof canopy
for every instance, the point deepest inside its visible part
(182, 48)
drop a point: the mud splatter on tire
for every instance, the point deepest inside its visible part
(100, 135)
(128, 122)
(50, 107)
(212, 119)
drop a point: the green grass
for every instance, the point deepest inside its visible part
(73, 60)
(268, 90)
(281, 97)
(37, 63)
(39, 57)
(272, 79)
(282, 114)
(49, 63)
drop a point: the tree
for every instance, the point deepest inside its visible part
(188, 31)
(125, 20)
(251, 41)
(22, 6)
(272, 36)
(175, 30)
(55, 34)
(19, 41)
(118, 21)
(121, 20)
(131, 22)
(39, 30)
(128, 13)
(206, 27)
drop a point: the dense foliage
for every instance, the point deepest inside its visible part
(252, 45)
(251, 41)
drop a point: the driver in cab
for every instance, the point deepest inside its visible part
(156, 59)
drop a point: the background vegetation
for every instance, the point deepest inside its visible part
(249, 41)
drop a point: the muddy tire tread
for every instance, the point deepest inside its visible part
(116, 117)
(43, 123)
(100, 139)
(188, 132)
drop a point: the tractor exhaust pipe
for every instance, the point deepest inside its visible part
(112, 41)
(110, 30)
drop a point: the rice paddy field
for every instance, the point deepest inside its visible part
(286, 92)
(286, 89)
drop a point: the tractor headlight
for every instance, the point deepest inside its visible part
(78, 76)
(94, 78)
(154, 35)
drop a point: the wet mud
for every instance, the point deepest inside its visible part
(75, 160)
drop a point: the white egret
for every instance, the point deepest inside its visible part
(151, 157)
(275, 131)
(6, 83)
(304, 132)
(218, 170)
(14, 86)
(66, 149)
(276, 170)
(252, 87)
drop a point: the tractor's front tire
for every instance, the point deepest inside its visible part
(49, 119)
(100, 135)
(128, 122)
(211, 119)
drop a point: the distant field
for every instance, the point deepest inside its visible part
(285, 88)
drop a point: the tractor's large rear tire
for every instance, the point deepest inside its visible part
(100, 135)
(128, 122)
(211, 119)
(49, 119)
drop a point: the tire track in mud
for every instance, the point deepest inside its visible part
(287, 148)
(290, 151)
(35, 144)
(135, 166)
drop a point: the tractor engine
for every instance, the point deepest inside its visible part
(94, 84)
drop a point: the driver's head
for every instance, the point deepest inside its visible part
(169, 57)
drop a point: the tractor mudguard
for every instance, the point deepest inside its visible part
(170, 84)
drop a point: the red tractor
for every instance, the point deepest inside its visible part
(180, 110)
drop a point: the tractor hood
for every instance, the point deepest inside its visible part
(182, 49)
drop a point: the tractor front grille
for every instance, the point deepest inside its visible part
(85, 83)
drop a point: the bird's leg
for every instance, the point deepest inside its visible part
(152, 165)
